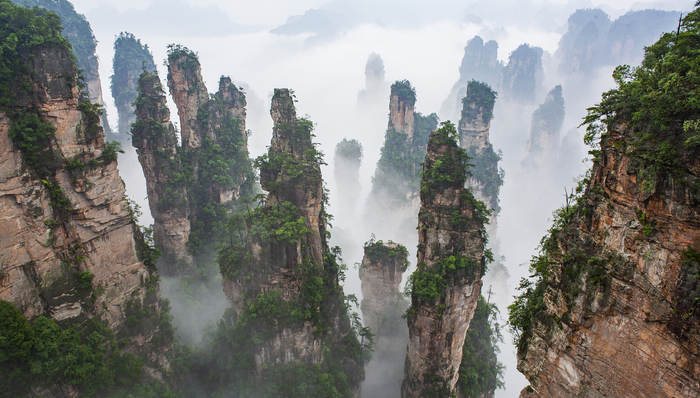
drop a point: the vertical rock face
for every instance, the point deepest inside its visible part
(485, 179)
(69, 248)
(130, 59)
(381, 272)
(192, 188)
(394, 196)
(155, 140)
(480, 63)
(613, 308)
(283, 258)
(346, 171)
(78, 31)
(523, 75)
(188, 91)
(630, 33)
(447, 283)
(547, 120)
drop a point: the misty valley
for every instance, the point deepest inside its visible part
(349, 199)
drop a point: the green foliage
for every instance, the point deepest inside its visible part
(451, 168)
(405, 92)
(191, 59)
(429, 283)
(485, 170)
(480, 371)
(130, 59)
(33, 136)
(482, 97)
(659, 101)
(84, 281)
(76, 29)
(44, 353)
(111, 151)
(687, 292)
(282, 223)
(349, 150)
(378, 251)
(90, 125)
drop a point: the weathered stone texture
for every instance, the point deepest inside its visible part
(437, 328)
(623, 339)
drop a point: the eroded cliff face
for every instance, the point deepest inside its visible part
(401, 110)
(155, 140)
(622, 329)
(69, 246)
(283, 260)
(447, 283)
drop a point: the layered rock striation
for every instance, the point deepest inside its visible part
(613, 308)
(131, 58)
(71, 253)
(446, 285)
(282, 277)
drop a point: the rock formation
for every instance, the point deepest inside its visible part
(547, 120)
(486, 179)
(613, 307)
(281, 275)
(480, 63)
(346, 171)
(630, 33)
(522, 77)
(446, 285)
(154, 138)
(71, 254)
(194, 187)
(381, 272)
(581, 47)
(77, 30)
(374, 80)
(393, 199)
(131, 58)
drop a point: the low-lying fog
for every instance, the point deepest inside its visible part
(325, 67)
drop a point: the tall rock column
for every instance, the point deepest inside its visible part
(346, 171)
(547, 120)
(522, 76)
(130, 60)
(445, 287)
(281, 275)
(485, 179)
(156, 144)
(188, 91)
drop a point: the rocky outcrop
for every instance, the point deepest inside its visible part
(69, 246)
(523, 76)
(194, 187)
(188, 91)
(630, 33)
(131, 58)
(547, 120)
(613, 308)
(480, 63)
(383, 305)
(446, 285)
(346, 171)
(154, 138)
(393, 199)
(77, 30)
(486, 179)
(281, 277)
